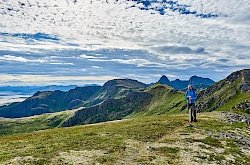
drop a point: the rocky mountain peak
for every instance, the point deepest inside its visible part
(197, 82)
(200, 80)
(164, 80)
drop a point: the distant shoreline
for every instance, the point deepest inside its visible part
(8, 99)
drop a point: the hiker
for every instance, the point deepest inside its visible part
(191, 97)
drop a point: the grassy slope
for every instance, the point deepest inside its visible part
(34, 123)
(172, 138)
(228, 93)
(166, 100)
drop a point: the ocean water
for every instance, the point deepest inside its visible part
(7, 98)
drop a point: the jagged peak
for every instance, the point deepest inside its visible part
(164, 80)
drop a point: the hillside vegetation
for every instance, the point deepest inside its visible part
(226, 94)
(49, 102)
(158, 139)
(164, 100)
(158, 99)
(34, 123)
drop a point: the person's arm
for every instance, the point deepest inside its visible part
(187, 96)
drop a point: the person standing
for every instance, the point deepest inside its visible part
(191, 98)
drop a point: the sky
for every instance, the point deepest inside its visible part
(62, 42)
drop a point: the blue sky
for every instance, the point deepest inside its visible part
(80, 42)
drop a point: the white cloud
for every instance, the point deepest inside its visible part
(60, 63)
(19, 59)
(49, 79)
(89, 57)
(96, 67)
(137, 62)
(174, 40)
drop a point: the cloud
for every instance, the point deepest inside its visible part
(90, 57)
(49, 79)
(96, 67)
(59, 63)
(128, 38)
(20, 59)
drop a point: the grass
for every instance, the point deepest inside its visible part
(165, 100)
(227, 94)
(241, 97)
(126, 141)
(34, 123)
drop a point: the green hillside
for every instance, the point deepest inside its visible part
(56, 101)
(154, 100)
(49, 102)
(226, 94)
(158, 139)
(34, 123)
(116, 89)
(165, 100)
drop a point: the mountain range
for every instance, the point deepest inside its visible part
(51, 99)
(195, 81)
(30, 90)
(124, 98)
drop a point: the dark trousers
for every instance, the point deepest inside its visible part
(192, 112)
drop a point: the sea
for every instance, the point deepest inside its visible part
(9, 97)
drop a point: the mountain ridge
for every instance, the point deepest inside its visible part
(124, 98)
(48, 102)
(232, 90)
(55, 101)
(195, 81)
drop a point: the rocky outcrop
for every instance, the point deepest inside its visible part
(242, 141)
(230, 117)
(243, 106)
(223, 91)
(245, 84)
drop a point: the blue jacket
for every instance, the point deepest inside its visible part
(192, 94)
